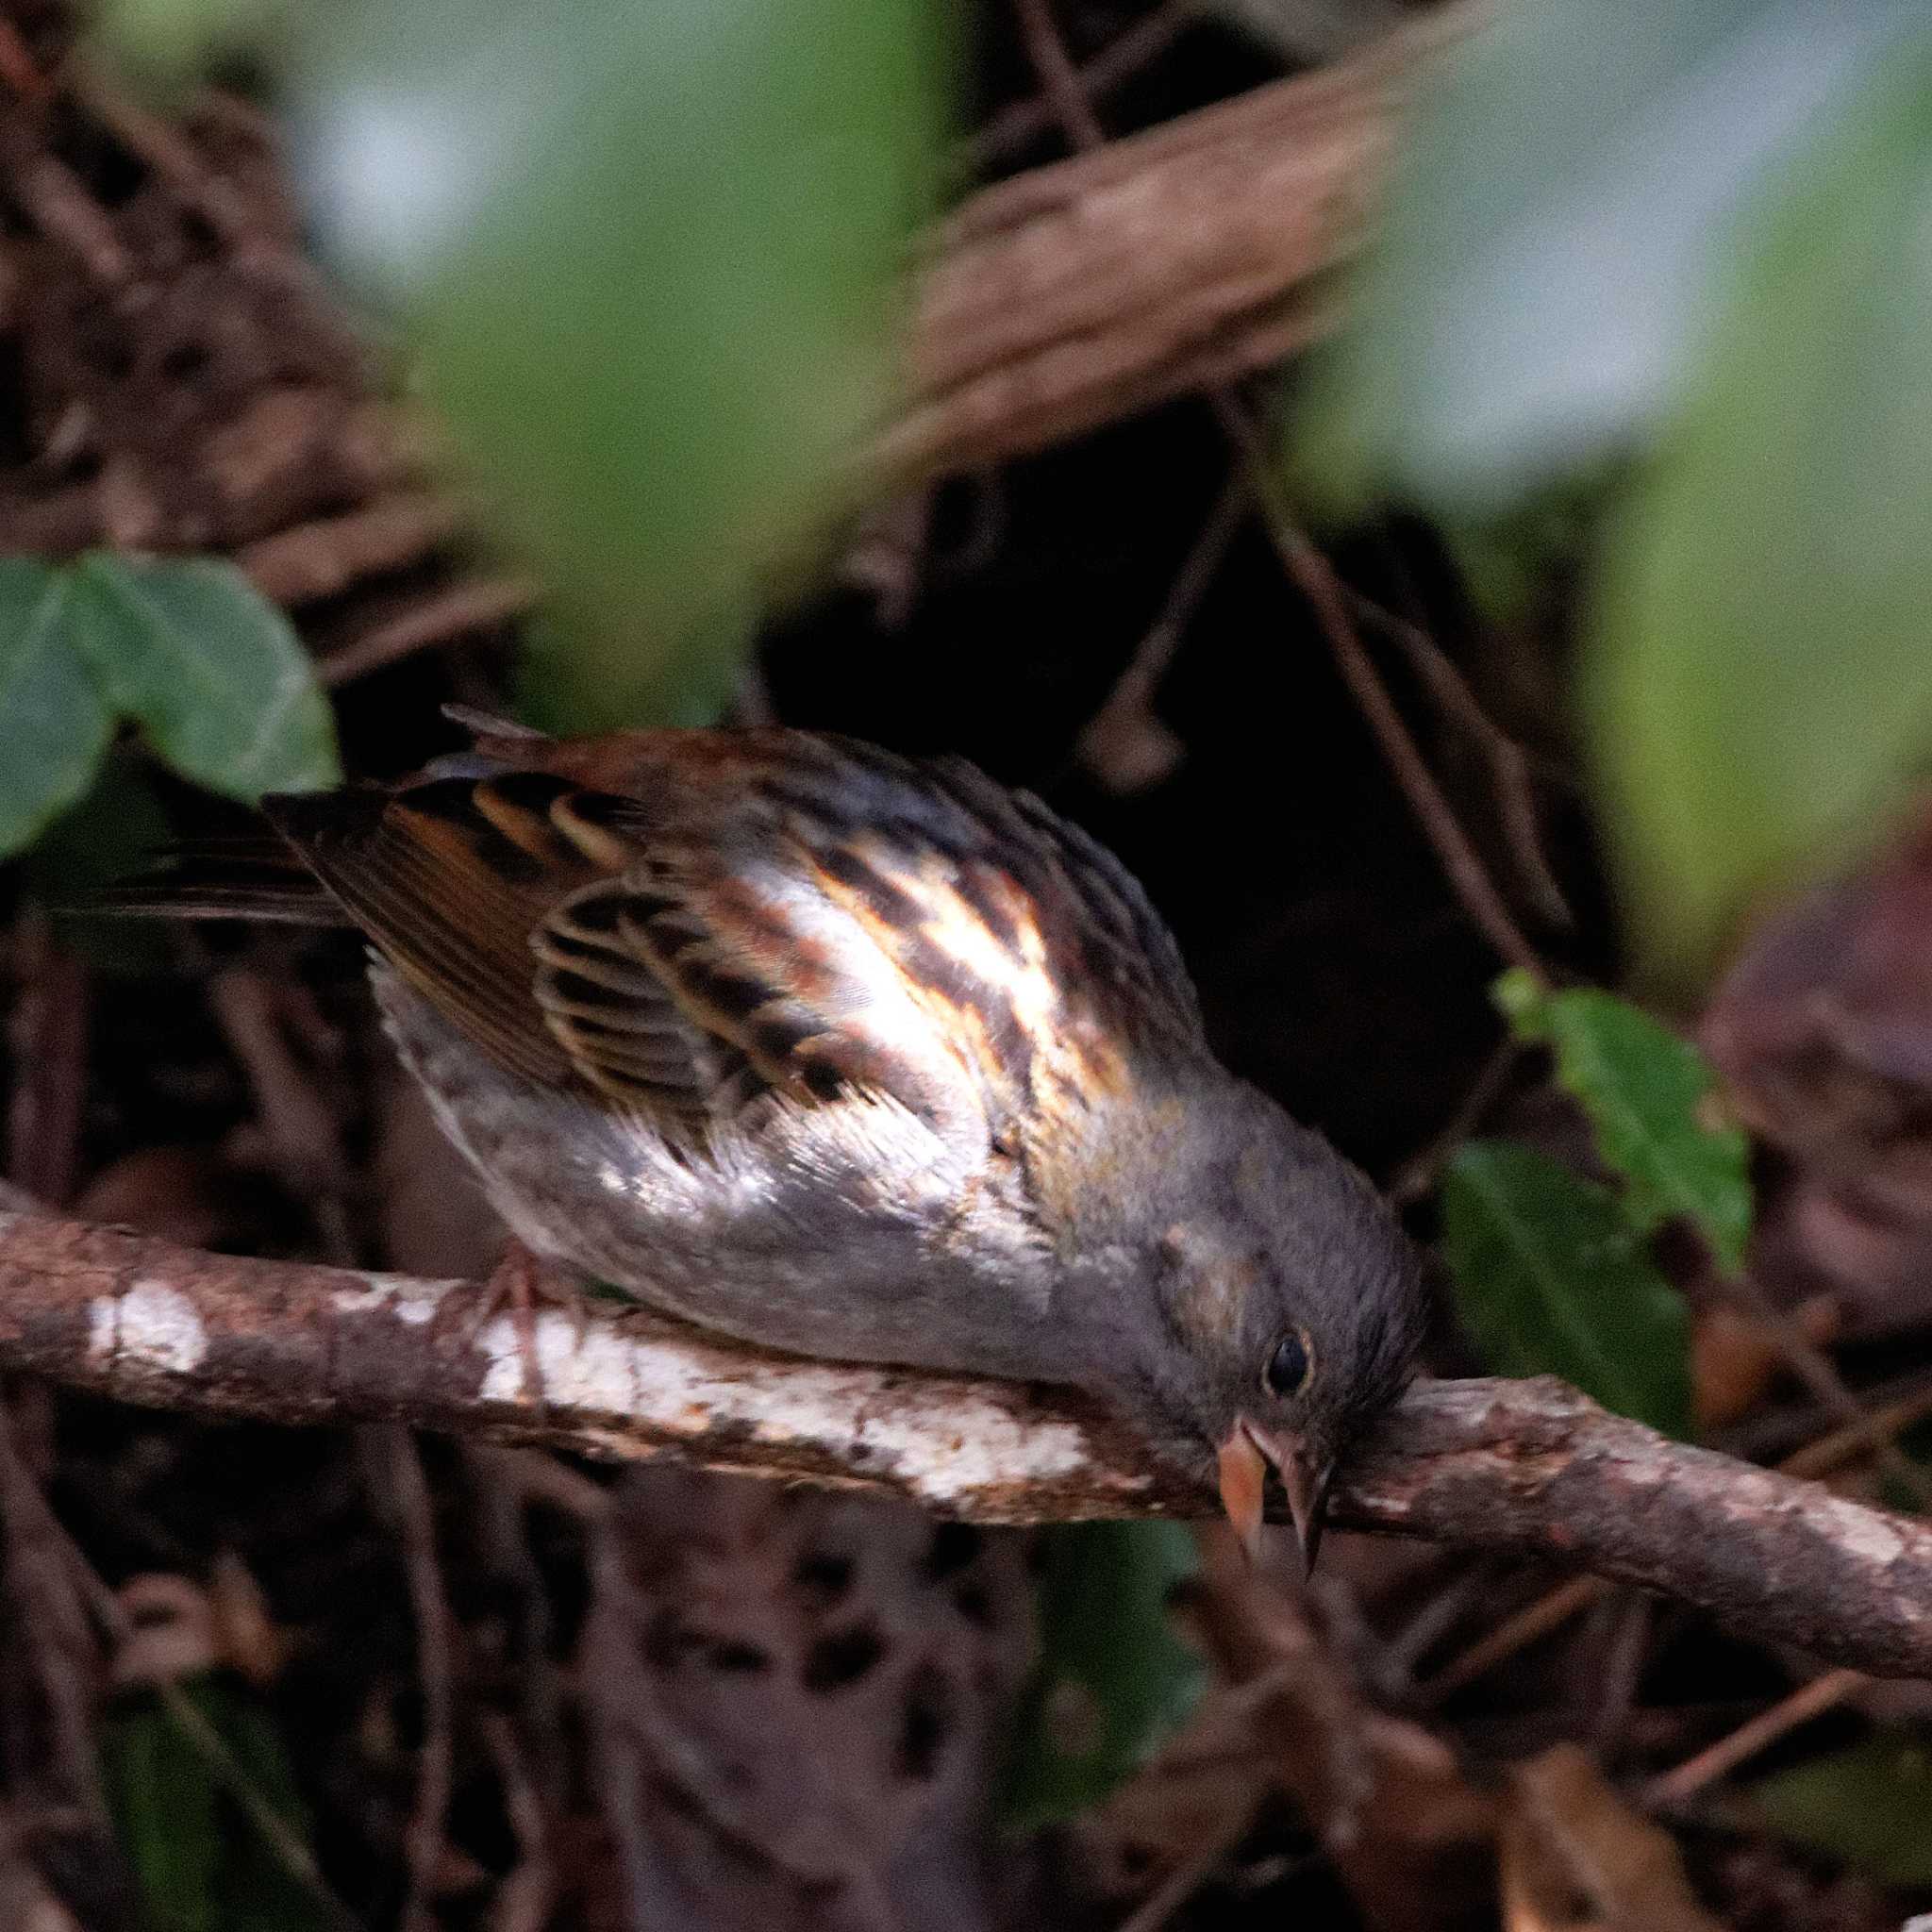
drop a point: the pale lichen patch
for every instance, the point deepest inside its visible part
(1863, 1533)
(502, 1346)
(945, 1449)
(151, 1323)
(410, 1301)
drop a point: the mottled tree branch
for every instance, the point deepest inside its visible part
(1528, 1469)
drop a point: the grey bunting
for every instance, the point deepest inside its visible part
(861, 1056)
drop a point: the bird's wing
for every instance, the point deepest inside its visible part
(680, 922)
(850, 919)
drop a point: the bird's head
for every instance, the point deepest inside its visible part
(1288, 1308)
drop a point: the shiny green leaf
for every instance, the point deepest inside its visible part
(1869, 1806)
(1551, 1278)
(212, 671)
(1112, 1679)
(1648, 1094)
(1759, 681)
(55, 724)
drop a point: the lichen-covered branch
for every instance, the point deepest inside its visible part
(1525, 1467)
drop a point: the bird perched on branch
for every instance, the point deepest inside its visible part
(865, 1058)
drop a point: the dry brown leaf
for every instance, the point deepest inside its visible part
(1735, 1359)
(798, 1698)
(1577, 1858)
(247, 1634)
(171, 1631)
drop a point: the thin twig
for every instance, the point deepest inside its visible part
(1616, 1669)
(1516, 1632)
(200, 1735)
(1824, 1692)
(48, 1614)
(1417, 1175)
(48, 1033)
(482, 605)
(1314, 577)
(1310, 572)
(1125, 744)
(1117, 62)
(1178, 1886)
(1508, 764)
(1819, 1374)
(526, 1897)
(323, 558)
(403, 1469)
(1057, 75)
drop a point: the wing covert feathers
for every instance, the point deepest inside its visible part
(678, 921)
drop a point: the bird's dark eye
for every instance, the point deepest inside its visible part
(1288, 1367)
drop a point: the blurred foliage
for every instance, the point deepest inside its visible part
(1679, 244)
(1648, 1093)
(1761, 679)
(1518, 565)
(1561, 223)
(201, 1865)
(1867, 1805)
(651, 259)
(1553, 1277)
(184, 648)
(1112, 1680)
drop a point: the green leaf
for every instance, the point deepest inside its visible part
(653, 258)
(1112, 1679)
(1760, 678)
(209, 669)
(113, 833)
(55, 724)
(165, 1815)
(1648, 1093)
(1551, 1278)
(1869, 1806)
(1543, 266)
(201, 1864)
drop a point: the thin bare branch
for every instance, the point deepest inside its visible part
(1529, 1469)
(394, 1453)
(1311, 574)
(1137, 47)
(1305, 565)
(1824, 1692)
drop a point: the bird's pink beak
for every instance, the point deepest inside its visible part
(1245, 1459)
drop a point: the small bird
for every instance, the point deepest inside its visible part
(861, 1056)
